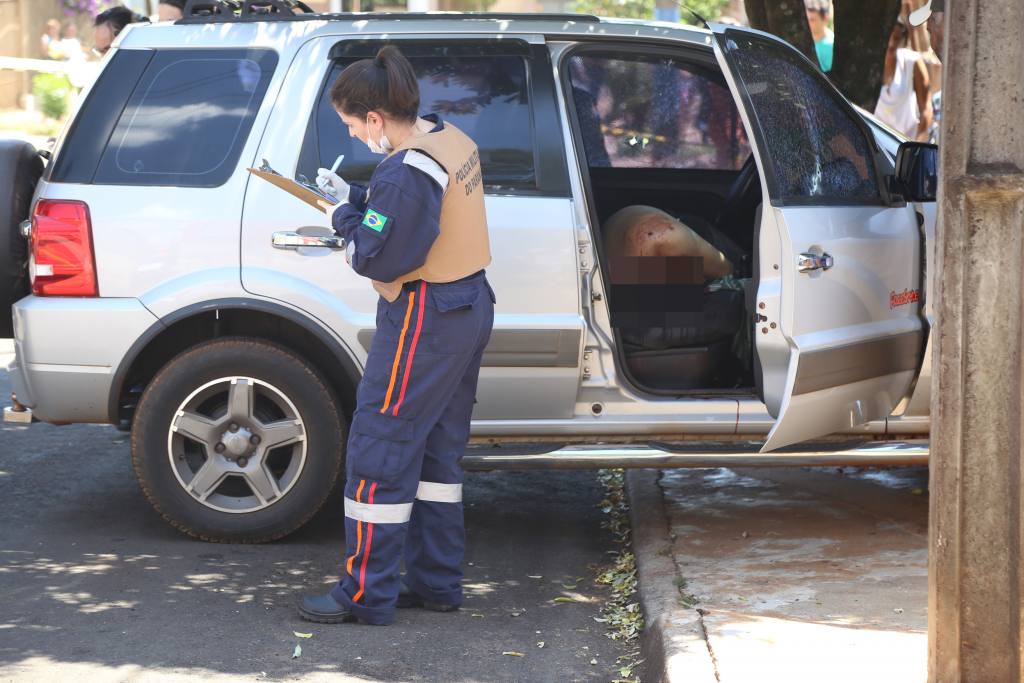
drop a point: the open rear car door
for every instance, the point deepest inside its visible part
(837, 329)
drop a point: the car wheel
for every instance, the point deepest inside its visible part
(20, 168)
(237, 440)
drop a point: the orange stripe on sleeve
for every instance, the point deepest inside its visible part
(412, 348)
(398, 353)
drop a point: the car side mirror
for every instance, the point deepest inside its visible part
(917, 171)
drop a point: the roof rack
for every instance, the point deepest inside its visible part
(242, 10)
(224, 11)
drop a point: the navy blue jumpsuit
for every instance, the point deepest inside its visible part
(403, 497)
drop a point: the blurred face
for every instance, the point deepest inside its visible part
(361, 128)
(71, 31)
(168, 12)
(102, 38)
(817, 24)
(937, 31)
(356, 126)
(53, 30)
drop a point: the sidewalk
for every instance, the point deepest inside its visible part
(791, 575)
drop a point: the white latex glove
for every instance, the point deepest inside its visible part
(330, 182)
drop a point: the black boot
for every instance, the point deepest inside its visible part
(408, 599)
(324, 609)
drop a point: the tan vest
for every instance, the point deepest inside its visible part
(462, 247)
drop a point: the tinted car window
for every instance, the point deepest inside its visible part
(815, 149)
(80, 152)
(639, 111)
(188, 119)
(485, 96)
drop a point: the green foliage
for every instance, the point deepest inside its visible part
(709, 9)
(621, 614)
(644, 9)
(51, 92)
(631, 9)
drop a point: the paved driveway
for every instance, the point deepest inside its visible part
(94, 586)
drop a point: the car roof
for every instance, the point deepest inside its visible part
(202, 32)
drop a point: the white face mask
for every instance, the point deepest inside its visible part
(382, 147)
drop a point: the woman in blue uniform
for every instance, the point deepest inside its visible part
(418, 232)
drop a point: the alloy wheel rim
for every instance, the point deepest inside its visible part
(237, 444)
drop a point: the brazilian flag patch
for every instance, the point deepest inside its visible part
(374, 221)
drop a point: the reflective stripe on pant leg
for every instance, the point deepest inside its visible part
(439, 493)
(379, 513)
(412, 349)
(366, 555)
(398, 353)
(359, 530)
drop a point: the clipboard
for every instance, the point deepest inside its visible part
(308, 193)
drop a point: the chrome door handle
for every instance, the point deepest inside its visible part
(295, 240)
(807, 262)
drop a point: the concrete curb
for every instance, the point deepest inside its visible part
(673, 645)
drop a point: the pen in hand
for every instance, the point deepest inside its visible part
(323, 178)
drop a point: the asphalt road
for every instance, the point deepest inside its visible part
(94, 586)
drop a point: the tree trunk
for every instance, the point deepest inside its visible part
(862, 33)
(785, 18)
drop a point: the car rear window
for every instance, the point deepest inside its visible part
(187, 119)
(484, 95)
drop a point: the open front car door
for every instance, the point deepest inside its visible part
(837, 329)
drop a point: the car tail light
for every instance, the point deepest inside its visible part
(63, 263)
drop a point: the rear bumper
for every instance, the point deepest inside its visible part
(66, 352)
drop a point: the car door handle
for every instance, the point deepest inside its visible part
(807, 262)
(294, 240)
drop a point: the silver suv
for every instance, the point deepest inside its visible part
(178, 296)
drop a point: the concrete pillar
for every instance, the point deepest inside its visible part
(976, 573)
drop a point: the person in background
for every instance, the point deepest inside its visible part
(818, 13)
(70, 44)
(903, 102)
(79, 72)
(109, 23)
(170, 10)
(937, 36)
(50, 39)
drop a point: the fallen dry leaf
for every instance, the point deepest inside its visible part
(509, 653)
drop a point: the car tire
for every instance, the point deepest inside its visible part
(20, 169)
(199, 429)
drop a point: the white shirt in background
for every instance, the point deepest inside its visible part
(897, 102)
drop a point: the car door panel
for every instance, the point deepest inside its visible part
(838, 332)
(531, 368)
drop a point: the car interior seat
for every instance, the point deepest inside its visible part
(674, 356)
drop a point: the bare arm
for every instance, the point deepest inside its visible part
(924, 100)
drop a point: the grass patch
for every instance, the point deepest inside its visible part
(621, 615)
